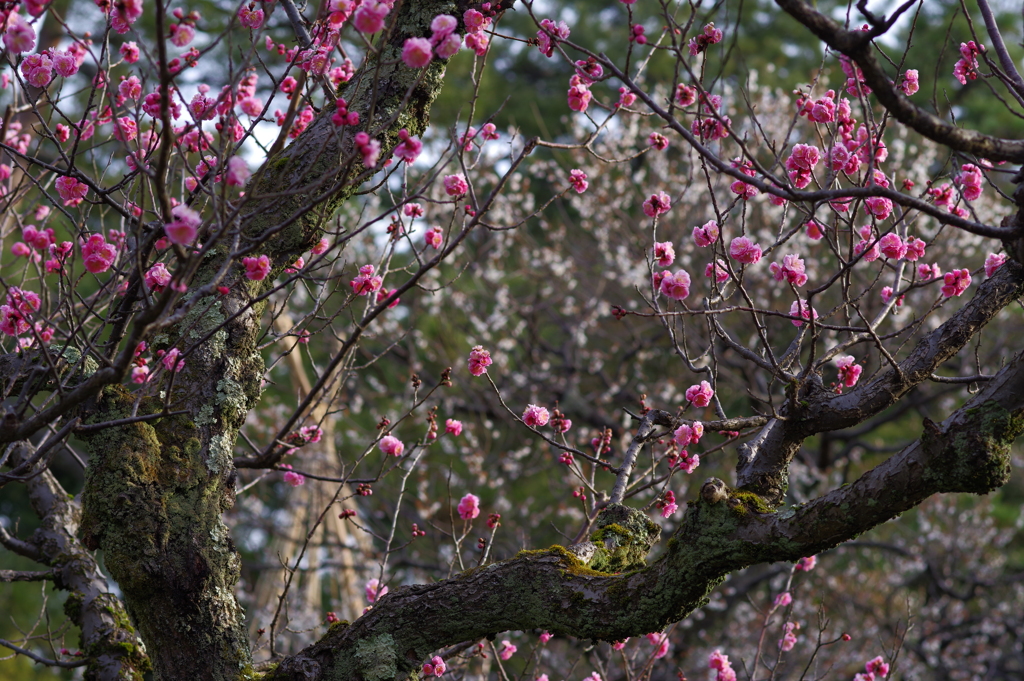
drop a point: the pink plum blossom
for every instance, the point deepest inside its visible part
(700, 395)
(256, 269)
(417, 52)
(454, 427)
(910, 84)
(97, 254)
(157, 277)
(409, 147)
(435, 667)
(369, 17)
(366, 282)
(877, 666)
(849, 371)
(706, 234)
(508, 649)
(391, 446)
(788, 639)
(664, 253)
(479, 360)
(19, 36)
(675, 286)
(791, 270)
(456, 185)
(892, 246)
(550, 32)
(578, 180)
(238, 172)
(292, 478)
(535, 416)
(374, 590)
(71, 190)
(172, 362)
(956, 282)
(469, 507)
(657, 204)
(806, 564)
(743, 250)
(800, 308)
(970, 181)
(993, 261)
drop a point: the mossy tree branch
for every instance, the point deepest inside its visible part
(723, 531)
(112, 648)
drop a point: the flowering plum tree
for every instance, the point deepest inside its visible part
(239, 301)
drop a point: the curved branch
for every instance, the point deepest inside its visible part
(723, 531)
(763, 460)
(857, 46)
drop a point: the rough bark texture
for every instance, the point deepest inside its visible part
(155, 491)
(108, 640)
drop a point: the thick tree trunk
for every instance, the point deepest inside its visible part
(155, 491)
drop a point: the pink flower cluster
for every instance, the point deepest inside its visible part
(579, 94)
(182, 229)
(435, 667)
(967, 67)
(706, 234)
(821, 110)
(391, 446)
(97, 254)
(469, 507)
(910, 83)
(664, 253)
(366, 282)
(578, 180)
(676, 286)
(721, 662)
(256, 269)
(14, 315)
(709, 36)
(479, 360)
(409, 147)
(875, 668)
(791, 270)
(456, 185)
(970, 181)
(788, 639)
(71, 190)
(668, 504)
(291, 477)
(508, 649)
(535, 416)
(157, 278)
(993, 261)
(550, 32)
(956, 282)
(369, 149)
(374, 590)
(342, 116)
(743, 250)
(477, 23)
(806, 564)
(800, 308)
(800, 164)
(700, 395)
(657, 204)
(370, 16)
(849, 371)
